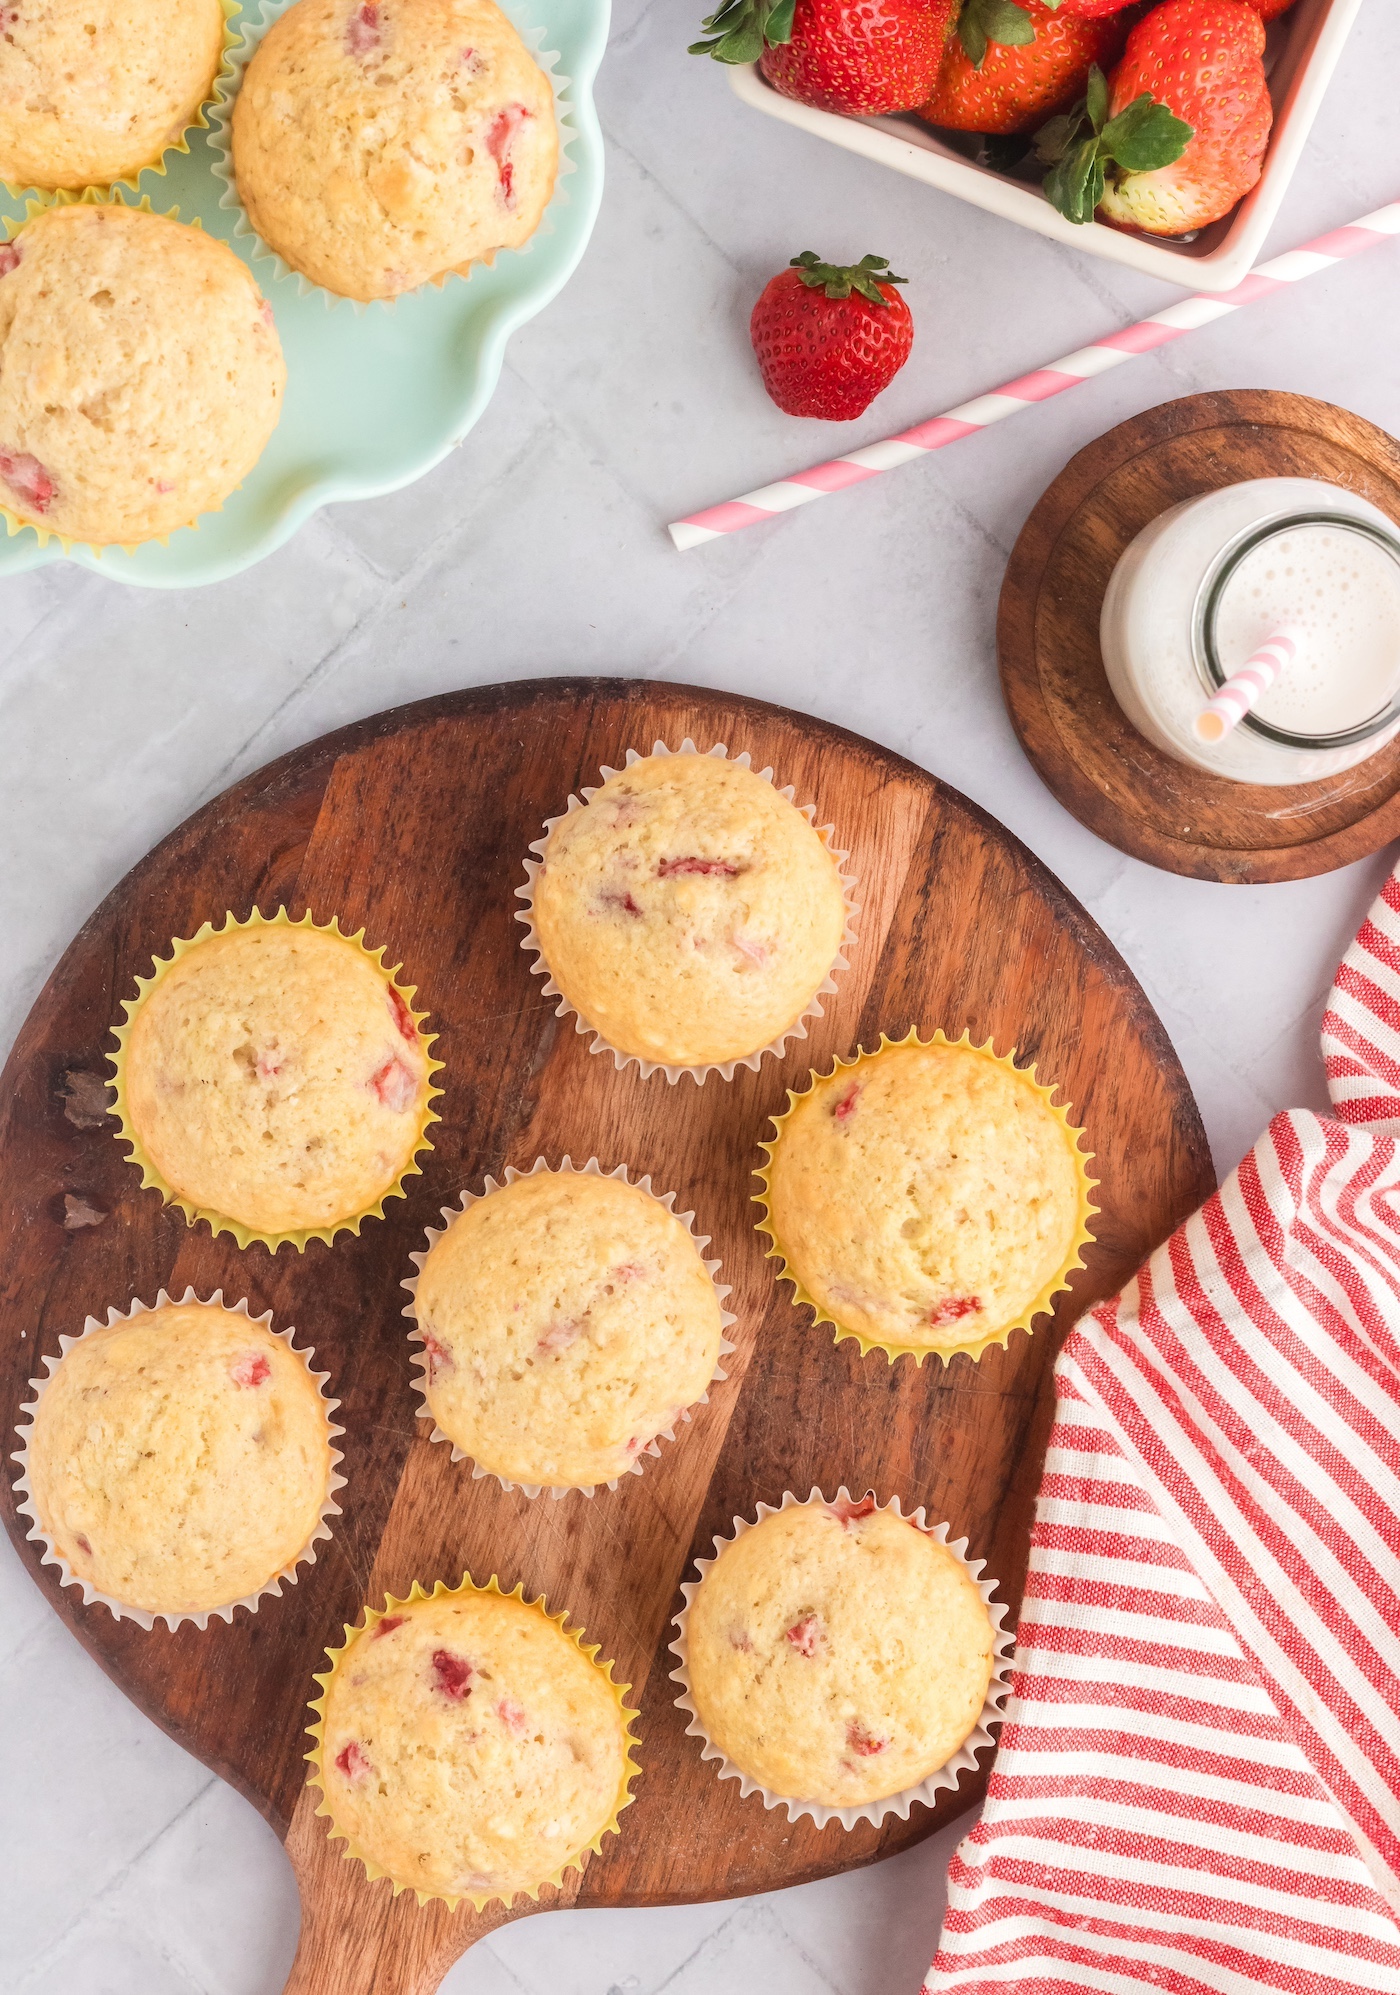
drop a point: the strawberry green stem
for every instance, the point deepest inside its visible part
(740, 29)
(984, 21)
(840, 279)
(1085, 145)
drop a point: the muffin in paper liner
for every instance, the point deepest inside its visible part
(221, 82)
(258, 18)
(120, 1610)
(725, 1069)
(37, 204)
(220, 1222)
(964, 1760)
(421, 1357)
(372, 1616)
(1043, 1301)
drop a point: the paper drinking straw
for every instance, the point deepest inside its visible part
(1244, 689)
(1111, 351)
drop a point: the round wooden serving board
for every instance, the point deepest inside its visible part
(1052, 675)
(416, 823)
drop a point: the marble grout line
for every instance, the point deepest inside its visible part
(113, 1885)
(790, 1938)
(504, 1966)
(617, 44)
(653, 179)
(312, 677)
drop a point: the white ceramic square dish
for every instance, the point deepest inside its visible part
(1304, 47)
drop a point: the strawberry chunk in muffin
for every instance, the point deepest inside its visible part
(688, 912)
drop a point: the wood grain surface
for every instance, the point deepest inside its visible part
(1070, 725)
(416, 823)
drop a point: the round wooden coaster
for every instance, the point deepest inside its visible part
(1052, 675)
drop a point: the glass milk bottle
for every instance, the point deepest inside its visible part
(1208, 582)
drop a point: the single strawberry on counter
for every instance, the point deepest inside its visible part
(828, 337)
(1179, 133)
(861, 57)
(1009, 66)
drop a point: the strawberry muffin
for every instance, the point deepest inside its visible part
(688, 912)
(93, 90)
(274, 1077)
(140, 374)
(382, 144)
(568, 1320)
(927, 1197)
(838, 1654)
(469, 1747)
(180, 1458)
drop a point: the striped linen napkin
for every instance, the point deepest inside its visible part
(1198, 1783)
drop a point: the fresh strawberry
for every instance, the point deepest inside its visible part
(862, 57)
(1092, 10)
(992, 83)
(1181, 131)
(829, 337)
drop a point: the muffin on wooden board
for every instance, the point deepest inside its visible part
(180, 1458)
(688, 911)
(567, 1319)
(92, 91)
(381, 144)
(837, 1653)
(273, 1078)
(926, 1197)
(468, 1746)
(140, 373)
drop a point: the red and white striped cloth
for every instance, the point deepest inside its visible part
(1198, 1782)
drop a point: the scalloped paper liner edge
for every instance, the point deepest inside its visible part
(964, 1760)
(1043, 1301)
(415, 1336)
(121, 1610)
(352, 1853)
(726, 1069)
(223, 73)
(219, 1222)
(227, 87)
(37, 204)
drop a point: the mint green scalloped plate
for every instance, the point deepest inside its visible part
(375, 397)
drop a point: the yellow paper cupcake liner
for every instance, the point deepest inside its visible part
(316, 1778)
(103, 197)
(222, 78)
(220, 1222)
(1041, 1302)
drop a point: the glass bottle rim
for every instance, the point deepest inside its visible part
(1207, 608)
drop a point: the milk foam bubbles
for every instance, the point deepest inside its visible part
(1341, 593)
(1213, 578)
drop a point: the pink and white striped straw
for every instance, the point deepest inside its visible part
(1191, 313)
(1244, 689)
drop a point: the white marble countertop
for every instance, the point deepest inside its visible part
(125, 1868)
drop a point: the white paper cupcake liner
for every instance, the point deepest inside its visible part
(725, 1069)
(258, 18)
(119, 1609)
(420, 1357)
(964, 1760)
